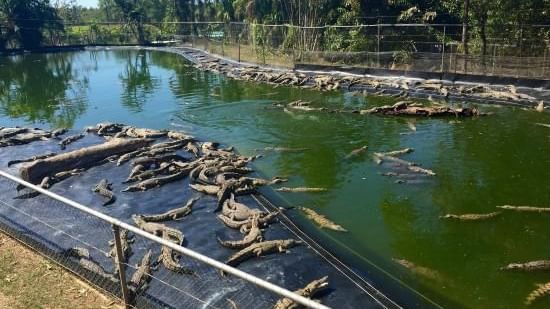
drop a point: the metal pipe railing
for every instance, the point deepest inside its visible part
(188, 252)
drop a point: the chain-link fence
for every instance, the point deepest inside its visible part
(156, 273)
(522, 52)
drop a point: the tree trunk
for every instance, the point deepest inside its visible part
(80, 158)
(465, 33)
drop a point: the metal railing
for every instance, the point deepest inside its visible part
(118, 225)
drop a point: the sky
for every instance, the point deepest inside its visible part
(88, 3)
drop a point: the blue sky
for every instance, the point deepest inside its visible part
(87, 2)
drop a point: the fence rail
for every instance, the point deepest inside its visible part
(522, 52)
(79, 210)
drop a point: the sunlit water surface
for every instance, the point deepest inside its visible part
(480, 163)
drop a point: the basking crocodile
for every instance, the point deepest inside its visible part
(125, 242)
(308, 291)
(104, 188)
(224, 193)
(321, 220)
(86, 262)
(174, 214)
(33, 158)
(245, 225)
(528, 266)
(58, 132)
(179, 136)
(156, 182)
(167, 258)
(10, 132)
(256, 182)
(261, 248)
(207, 189)
(148, 174)
(147, 162)
(192, 148)
(136, 170)
(238, 211)
(472, 217)
(70, 139)
(144, 133)
(159, 230)
(254, 235)
(142, 275)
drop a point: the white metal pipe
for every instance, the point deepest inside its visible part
(188, 252)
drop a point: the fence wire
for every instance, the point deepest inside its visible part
(517, 52)
(84, 244)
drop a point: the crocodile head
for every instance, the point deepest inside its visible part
(316, 285)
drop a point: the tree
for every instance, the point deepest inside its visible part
(28, 21)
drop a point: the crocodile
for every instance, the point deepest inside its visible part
(136, 170)
(238, 211)
(70, 139)
(224, 193)
(321, 220)
(125, 242)
(528, 266)
(142, 275)
(308, 291)
(86, 262)
(399, 152)
(256, 182)
(155, 182)
(525, 208)
(260, 248)
(147, 162)
(207, 189)
(10, 132)
(245, 225)
(472, 217)
(144, 133)
(174, 214)
(168, 259)
(159, 230)
(543, 289)
(130, 155)
(254, 235)
(33, 158)
(179, 136)
(192, 148)
(420, 270)
(300, 189)
(49, 181)
(58, 132)
(104, 188)
(356, 152)
(107, 129)
(285, 149)
(234, 169)
(148, 174)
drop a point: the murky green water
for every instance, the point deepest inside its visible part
(481, 163)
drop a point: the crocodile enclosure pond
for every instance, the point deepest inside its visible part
(433, 202)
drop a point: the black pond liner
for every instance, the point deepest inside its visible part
(531, 87)
(31, 222)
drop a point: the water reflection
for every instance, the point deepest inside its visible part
(42, 88)
(138, 84)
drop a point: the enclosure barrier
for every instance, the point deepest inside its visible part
(519, 51)
(119, 287)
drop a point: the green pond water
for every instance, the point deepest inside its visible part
(480, 163)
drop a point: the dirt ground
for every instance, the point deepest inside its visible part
(27, 280)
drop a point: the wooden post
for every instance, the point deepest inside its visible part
(121, 268)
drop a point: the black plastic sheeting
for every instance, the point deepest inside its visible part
(292, 270)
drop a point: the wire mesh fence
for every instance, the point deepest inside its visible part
(522, 52)
(154, 274)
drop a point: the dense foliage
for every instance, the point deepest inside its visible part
(483, 19)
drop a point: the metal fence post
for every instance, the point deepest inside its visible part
(443, 50)
(121, 268)
(544, 61)
(378, 47)
(239, 46)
